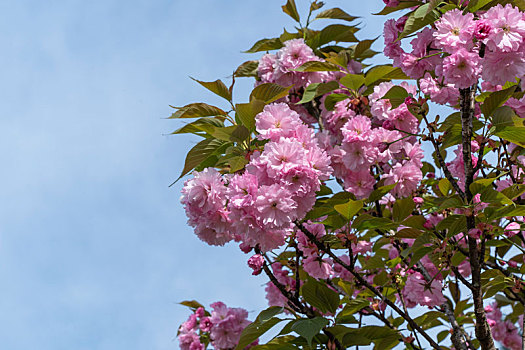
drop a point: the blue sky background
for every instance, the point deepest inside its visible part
(95, 252)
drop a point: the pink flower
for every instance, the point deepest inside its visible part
(439, 93)
(227, 325)
(319, 162)
(356, 129)
(454, 31)
(275, 121)
(282, 156)
(293, 55)
(391, 3)
(482, 29)
(359, 183)
(266, 68)
(406, 177)
(418, 292)
(274, 206)
(418, 200)
(462, 69)
(358, 155)
(203, 193)
(500, 67)
(392, 47)
(379, 107)
(512, 229)
(475, 233)
(508, 28)
(205, 324)
(318, 268)
(256, 263)
(517, 105)
(199, 312)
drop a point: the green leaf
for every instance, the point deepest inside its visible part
(239, 134)
(513, 134)
(320, 296)
(291, 10)
(408, 232)
(402, 5)
(382, 73)
(264, 321)
(353, 81)
(266, 45)
(415, 221)
(255, 330)
(362, 47)
(217, 87)
(353, 306)
(414, 23)
(246, 112)
(489, 195)
(403, 208)
(496, 99)
(237, 163)
(200, 125)
(269, 92)
(475, 5)
(503, 116)
(332, 99)
(380, 192)
(197, 110)
(317, 89)
(337, 33)
(418, 254)
(445, 186)
(247, 69)
(192, 304)
(514, 191)
(199, 153)
(336, 13)
(310, 327)
(396, 95)
(451, 137)
(317, 66)
(454, 224)
(367, 222)
(349, 209)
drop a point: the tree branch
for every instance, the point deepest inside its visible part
(321, 246)
(467, 114)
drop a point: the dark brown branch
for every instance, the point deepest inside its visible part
(483, 333)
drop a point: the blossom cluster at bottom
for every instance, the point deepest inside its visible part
(222, 327)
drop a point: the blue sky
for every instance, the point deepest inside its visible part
(94, 248)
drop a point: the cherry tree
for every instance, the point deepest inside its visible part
(323, 181)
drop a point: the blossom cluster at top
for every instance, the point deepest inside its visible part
(222, 328)
(460, 50)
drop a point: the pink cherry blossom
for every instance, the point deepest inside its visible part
(419, 292)
(462, 69)
(275, 121)
(454, 31)
(508, 28)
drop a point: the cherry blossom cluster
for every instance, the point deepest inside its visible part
(503, 331)
(280, 68)
(367, 148)
(222, 328)
(259, 205)
(460, 50)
